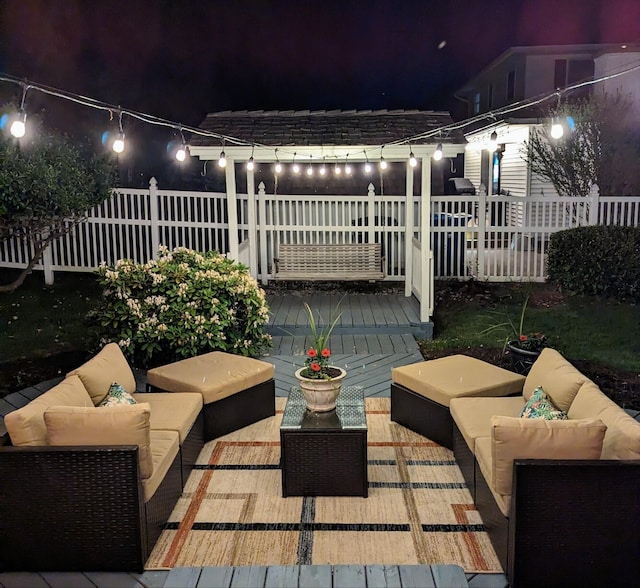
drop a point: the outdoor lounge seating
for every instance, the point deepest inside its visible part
(89, 487)
(559, 498)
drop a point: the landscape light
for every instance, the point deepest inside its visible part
(437, 154)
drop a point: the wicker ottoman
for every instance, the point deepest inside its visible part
(420, 392)
(237, 391)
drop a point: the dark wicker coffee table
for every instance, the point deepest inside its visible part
(324, 454)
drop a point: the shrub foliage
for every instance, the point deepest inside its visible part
(597, 260)
(181, 304)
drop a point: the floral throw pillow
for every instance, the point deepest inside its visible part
(539, 406)
(117, 395)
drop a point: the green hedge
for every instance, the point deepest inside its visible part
(598, 260)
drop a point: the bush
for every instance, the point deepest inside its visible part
(184, 304)
(598, 260)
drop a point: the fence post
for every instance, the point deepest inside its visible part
(594, 204)
(154, 216)
(482, 229)
(47, 265)
(371, 221)
(262, 227)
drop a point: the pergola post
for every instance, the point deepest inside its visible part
(232, 208)
(408, 231)
(253, 233)
(426, 275)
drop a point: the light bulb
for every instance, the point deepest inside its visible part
(437, 154)
(347, 169)
(383, 163)
(412, 160)
(493, 142)
(278, 167)
(250, 164)
(296, 168)
(309, 170)
(181, 153)
(556, 129)
(337, 170)
(118, 144)
(18, 126)
(367, 168)
(222, 160)
(323, 170)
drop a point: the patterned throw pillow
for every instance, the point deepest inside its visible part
(117, 395)
(539, 406)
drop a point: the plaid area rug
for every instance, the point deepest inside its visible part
(418, 511)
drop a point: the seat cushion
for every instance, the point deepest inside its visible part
(164, 449)
(108, 366)
(457, 376)
(473, 415)
(172, 411)
(214, 375)
(121, 424)
(515, 438)
(26, 425)
(557, 377)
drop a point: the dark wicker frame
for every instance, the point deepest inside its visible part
(580, 516)
(191, 447)
(79, 509)
(422, 415)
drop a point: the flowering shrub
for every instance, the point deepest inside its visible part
(182, 304)
(317, 361)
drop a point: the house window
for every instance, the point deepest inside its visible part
(511, 85)
(568, 72)
(476, 103)
(490, 96)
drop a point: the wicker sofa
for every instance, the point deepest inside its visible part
(560, 498)
(84, 487)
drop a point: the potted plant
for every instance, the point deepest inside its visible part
(523, 347)
(319, 381)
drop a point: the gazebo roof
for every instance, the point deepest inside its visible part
(326, 127)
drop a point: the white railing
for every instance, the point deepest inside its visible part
(509, 241)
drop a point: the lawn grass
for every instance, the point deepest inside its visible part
(39, 321)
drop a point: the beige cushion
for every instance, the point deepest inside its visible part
(164, 449)
(455, 376)
(214, 375)
(109, 365)
(622, 440)
(485, 462)
(107, 425)
(473, 415)
(558, 378)
(26, 425)
(540, 439)
(172, 411)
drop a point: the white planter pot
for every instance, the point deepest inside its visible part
(321, 395)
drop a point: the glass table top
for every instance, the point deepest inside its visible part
(349, 412)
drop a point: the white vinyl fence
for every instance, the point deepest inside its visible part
(508, 242)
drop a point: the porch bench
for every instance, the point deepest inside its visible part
(346, 261)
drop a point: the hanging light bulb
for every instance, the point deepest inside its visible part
(383, 163)
(347, 167)
(19, 126)
(181, 153)
(437, 154)
(278, 166)
(337, 170)
(557, 130)
(296, 167)
(118, 144)
(323, 169)
(222, 160)
(493, 142)
(412, 160)
(250, 164)
(367, 165)
(310, 167)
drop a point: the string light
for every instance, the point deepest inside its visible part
(437, 154)
(367, 165)
(278, 166)
(412, 159)
(557, 129)
(323, 169)
(181, 153)
(250, 164)
(337, 170)
(310, 167)
(19, 125)
(118, 144)
(347, 167)
(222, 160)
(296, 167)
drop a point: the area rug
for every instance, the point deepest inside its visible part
(418, 511)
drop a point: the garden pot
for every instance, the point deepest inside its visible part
(321, 395)
(521, 359)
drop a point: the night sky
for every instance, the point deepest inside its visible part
(180, 59)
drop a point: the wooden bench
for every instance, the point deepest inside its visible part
(349, 261)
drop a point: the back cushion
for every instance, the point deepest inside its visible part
(107, 425)
(26, 425)
(109, 365)
(513, 438)
(559, 379)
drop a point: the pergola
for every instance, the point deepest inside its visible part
(330, 136)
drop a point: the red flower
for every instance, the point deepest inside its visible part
(315, 366)
(312, 353)
(523, 337)
(325, 352)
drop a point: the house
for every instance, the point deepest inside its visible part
(526, 74)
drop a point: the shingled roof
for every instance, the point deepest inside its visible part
(326, 127)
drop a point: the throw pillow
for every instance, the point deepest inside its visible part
(539, 406)
(117, 395)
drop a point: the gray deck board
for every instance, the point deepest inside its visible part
(183, 578)
(67, 580)
(216, 576)
(113, 580)
(249, 577)
(353, 576)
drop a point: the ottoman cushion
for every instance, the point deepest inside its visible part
(214, 375)
(456, 376)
